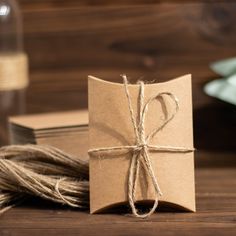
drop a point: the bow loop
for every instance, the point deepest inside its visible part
(159, 96)
(141, 148)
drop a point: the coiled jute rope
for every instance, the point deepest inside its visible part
(42, 171)
(140, 150)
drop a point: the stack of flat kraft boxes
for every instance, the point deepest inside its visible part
(67, 131)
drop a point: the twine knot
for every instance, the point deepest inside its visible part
(140, 146)
(140, 151)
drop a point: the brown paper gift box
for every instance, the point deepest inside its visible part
(110, 125)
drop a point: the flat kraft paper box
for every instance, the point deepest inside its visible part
(66, 130)
(110, 125)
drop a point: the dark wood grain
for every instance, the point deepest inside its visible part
(151, 42)
(72, 3)
(216, 213)
(147, 38)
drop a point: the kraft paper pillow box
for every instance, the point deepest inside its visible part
(67, 131)
(110, 125)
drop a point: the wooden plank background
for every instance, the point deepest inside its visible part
(67, 40)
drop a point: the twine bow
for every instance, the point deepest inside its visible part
(140, 151)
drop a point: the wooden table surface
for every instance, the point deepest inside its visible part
(216, 210)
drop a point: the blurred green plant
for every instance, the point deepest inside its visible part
(225, 87)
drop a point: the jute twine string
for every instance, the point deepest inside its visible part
(140, 151)
(42, 171)
(13, 71)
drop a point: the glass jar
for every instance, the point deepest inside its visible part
(13, 65)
